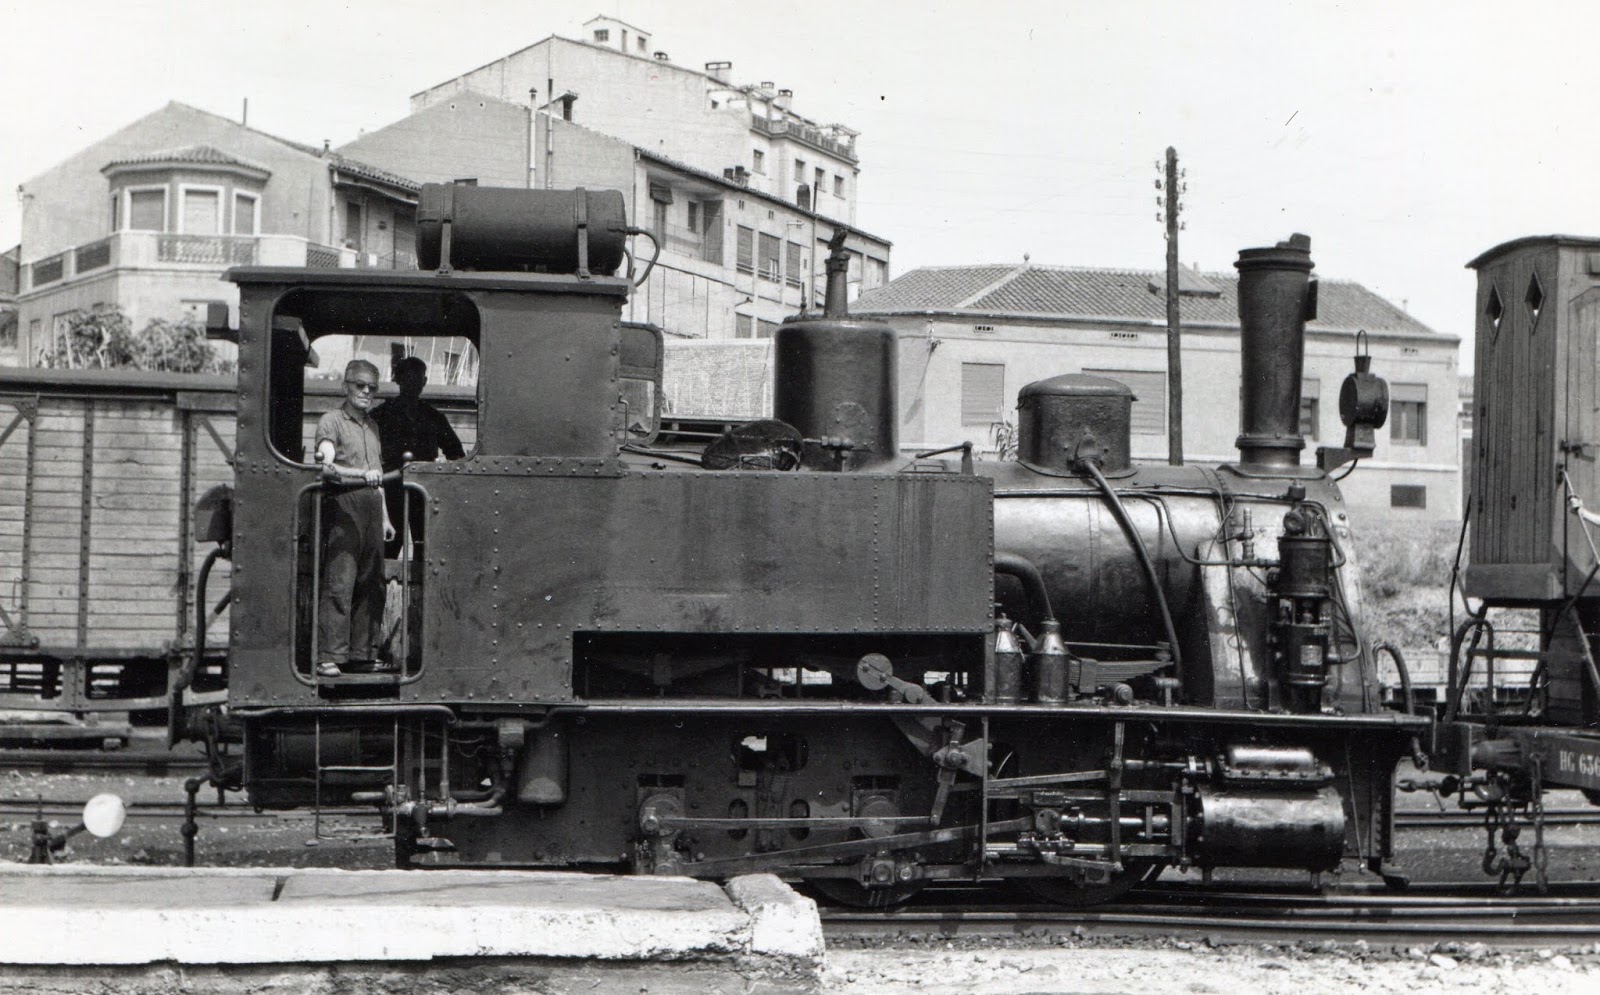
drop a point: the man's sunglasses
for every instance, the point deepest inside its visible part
(361, 385)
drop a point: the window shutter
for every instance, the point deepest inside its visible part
(769, 256)
(982, 393)
(147, 210)
(747, 249)
(201, 212)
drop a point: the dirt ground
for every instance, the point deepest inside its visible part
(1182, 966)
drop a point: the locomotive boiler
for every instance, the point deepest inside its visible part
(801, 650)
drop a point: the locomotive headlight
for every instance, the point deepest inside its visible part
(1363, 401)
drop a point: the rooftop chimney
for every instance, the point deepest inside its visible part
(784, 99)
(719, 71)
(662, 57)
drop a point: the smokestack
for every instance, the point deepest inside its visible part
(1276, 298)
(836, 304)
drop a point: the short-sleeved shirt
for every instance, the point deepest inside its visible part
(419, 429)
(355, 440)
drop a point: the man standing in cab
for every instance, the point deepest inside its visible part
(355, 524)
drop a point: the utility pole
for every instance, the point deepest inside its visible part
(1172, 191)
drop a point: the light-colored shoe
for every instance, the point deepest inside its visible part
(328, 668)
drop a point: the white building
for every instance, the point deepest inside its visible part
(971, 337)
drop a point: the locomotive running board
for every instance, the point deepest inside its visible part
(1077, 712)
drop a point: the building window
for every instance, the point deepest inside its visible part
(644, 43)
(602, 35)
(747, 250)
(694, 216)
(1149, 414)
(1310, 409)
(818, 180)
(758, 161)
(147, 209)
(352, 225)
(766, 329)
(660, 219)
(982, 393)
(1408, 414)
(246, 214)
(202, 212)
(1408, 496)
(877, 274)
(838, 186)
(1308, 418)
(742, 324)
(769, 256)
(799, 170)
(116, 212)
(8, 331)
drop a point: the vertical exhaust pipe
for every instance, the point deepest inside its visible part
(1277, 296)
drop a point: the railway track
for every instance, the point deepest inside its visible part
(62, 810)
(150, 763)
(1215, 915)
(1455, 818)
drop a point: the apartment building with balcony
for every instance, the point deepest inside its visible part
(150, 217)
(615, 81)
(735, 258)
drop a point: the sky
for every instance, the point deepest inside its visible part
(1403, 137)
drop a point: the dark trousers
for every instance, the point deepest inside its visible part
(350, 613)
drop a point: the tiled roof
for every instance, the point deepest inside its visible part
(355, 167)
(1110, 293)
(200, 154)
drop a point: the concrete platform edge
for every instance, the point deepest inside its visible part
(120, 917)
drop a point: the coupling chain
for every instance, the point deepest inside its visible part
(1504, 859)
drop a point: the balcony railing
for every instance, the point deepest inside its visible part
(321, 256)
(215, 250)
(92, 256)
(148, 250)
(805, 133)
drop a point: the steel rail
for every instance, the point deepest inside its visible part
(1519, 921)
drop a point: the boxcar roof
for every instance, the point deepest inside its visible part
(1516, 244)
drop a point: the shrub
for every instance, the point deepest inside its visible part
(1395, 558)
(103, 338)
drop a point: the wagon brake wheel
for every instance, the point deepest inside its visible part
(1076, 893)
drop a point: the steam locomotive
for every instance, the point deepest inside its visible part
(800, 650)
